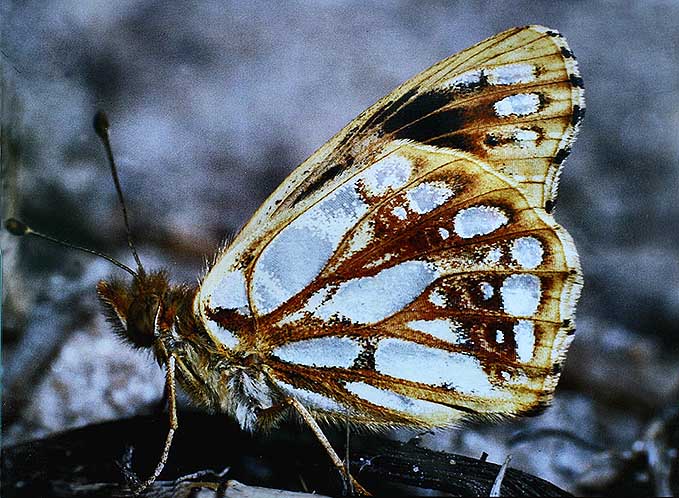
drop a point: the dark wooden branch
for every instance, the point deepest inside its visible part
(86, 462)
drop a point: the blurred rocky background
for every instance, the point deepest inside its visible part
(212, 104)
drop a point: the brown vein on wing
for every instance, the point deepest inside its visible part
(424, 218)
(516, 121)
(273, 233)
(485, 315)
(342, 375)
(323, 279)
(417, 180)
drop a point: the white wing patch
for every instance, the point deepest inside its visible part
(390, 172)
(445, 329)
(525, 138)
(328, 351)
(518, 105)
(427, 196)
(511, 74)
(302, 249)
(521, 294)
(487, 290)
(437, 298)
(524, 335)
(466, 79)
(371, 299)
(230, 293)
(435, 367)
(400, 212)
(527, 252)
(222, 336)
(310, 399)
(479, 220)
(493, 256)
(400, 403)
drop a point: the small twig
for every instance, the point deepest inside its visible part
(303, 483)
(495, 490)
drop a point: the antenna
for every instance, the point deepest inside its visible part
(101, 126)
(16, 227)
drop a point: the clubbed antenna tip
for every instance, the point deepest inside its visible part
(101, 124)
(15, 227)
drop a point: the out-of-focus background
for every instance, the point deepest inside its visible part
(212, 104)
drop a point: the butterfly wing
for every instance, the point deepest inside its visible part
(413, 257)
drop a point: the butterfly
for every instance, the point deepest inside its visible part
(409, 273)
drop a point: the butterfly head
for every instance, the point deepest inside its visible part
(142, 312)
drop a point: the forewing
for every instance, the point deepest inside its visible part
(412, 257)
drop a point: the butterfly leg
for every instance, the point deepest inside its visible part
(174, 424)
(318, 432)
(347, 459)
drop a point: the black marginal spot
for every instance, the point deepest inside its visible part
(578, 115)
(570, 332)
(540, 132)
(328, 175)
(549, 206)
(554, 34)
(562, 155)
(416, 109)
(556, 369)
(576, 81)
(492, 140)
(366, 358)
(389, 108)
(567, 53)
(566, 323)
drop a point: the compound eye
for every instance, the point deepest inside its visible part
(141, 320)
